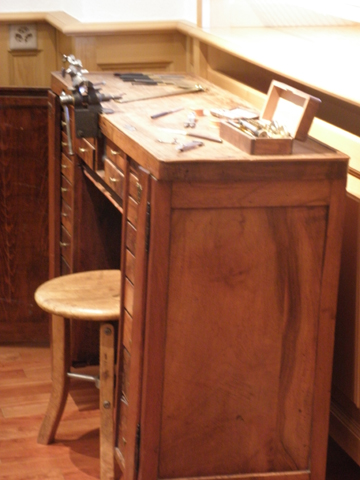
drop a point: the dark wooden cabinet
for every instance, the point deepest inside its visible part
(230, 268)
(23, 213)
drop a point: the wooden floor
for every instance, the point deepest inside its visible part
(24, 392)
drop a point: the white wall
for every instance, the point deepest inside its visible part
(109, 10)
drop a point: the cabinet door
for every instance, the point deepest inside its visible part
(131, 334)
(23, 213)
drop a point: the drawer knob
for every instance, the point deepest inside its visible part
(64, 144)
(82, 150)
(64, 244)
(64, 166)
(63, 189)
(63, 124)
(63, 214)
(113, 179)
(114, 152)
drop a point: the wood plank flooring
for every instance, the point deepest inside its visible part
(24, 392)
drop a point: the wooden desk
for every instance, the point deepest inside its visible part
(230, 269)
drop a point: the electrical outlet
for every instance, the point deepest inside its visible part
(23, 37)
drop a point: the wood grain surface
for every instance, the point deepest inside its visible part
(23, 213)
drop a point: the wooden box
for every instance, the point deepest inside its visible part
(286, 105)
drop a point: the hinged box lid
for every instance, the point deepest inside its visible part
(292, 108)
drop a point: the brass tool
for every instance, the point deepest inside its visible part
(203, 136)
(195, 89)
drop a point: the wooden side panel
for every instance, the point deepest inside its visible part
(242, 325)
(346, 353)
(23, 213)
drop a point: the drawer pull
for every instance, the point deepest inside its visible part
(63, 189)
(64, 144)
(64, 244)
(113, 179)
(64, 166)
(63, 214)
(82, 150)
(63, 124)
(114, 152)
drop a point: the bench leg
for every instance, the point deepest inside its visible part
(106, 402)
(60, 350)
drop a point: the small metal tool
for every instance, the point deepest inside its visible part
(167, 112)
(172, 142)
(184, 147)
(191, 120)
(203, 136)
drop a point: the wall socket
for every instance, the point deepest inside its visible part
(23, 37)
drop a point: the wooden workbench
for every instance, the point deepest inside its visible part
(230, 268)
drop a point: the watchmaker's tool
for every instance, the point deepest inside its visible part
(191, 120)
(184, 147)
(167, 112)
(203, 136)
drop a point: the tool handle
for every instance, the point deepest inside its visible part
(204, 136)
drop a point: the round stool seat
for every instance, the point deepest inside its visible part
(93, 295)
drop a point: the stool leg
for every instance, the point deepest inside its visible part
(106, 402)
(60, 349)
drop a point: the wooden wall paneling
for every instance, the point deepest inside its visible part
(4, 47)
(85, 50)
(32, 68)
(200, 58)
(64, 46)
(147, 52)
(23, 67)
(23, 213)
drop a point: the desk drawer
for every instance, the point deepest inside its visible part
(130, 237)
(114, 177)
(130, 265)
(86, 151)
(116, 155)
(132, 214)
(66, 190)
(64, 266)
(65, 244)
(129, 296)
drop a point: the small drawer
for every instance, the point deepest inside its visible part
(86, 151)
(64, 267)
(129, 296)
(67, 168)
(134, 187)
(127, 331)
(130, 237)
(66, 216)
(132, 213)
(64, 143)
(65, 244)
(116, 155)
(130, 266)
(114, 177)
(123, 416)
(126, 359)
(66, 190)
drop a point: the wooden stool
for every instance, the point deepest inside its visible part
(93, 296)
